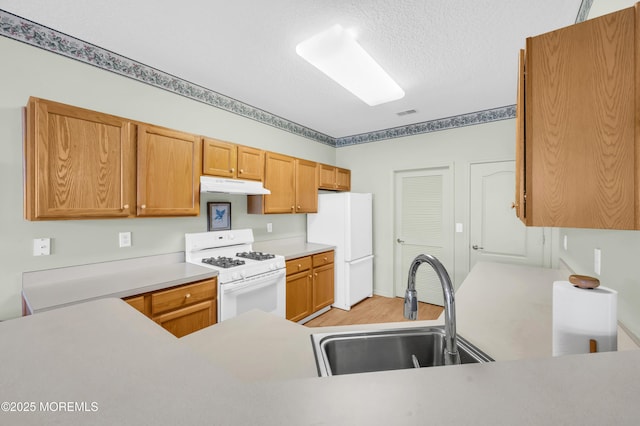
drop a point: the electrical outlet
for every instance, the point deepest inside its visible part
(597, 261)
(269, 227)
(42, 246)
(125, 239)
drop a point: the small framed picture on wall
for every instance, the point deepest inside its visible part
(218, 216)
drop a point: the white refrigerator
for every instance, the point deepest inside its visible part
(344, 220)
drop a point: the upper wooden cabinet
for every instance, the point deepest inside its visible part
(168, 172)
(227, 159)
(293, 183)
(306, 186)
(576, 122)
(333, 178)
(78, 163)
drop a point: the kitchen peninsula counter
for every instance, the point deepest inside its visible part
(263, 373)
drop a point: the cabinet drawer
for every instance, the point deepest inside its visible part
(178, 297)
(322, 259)
(298, 265)
(187, 320)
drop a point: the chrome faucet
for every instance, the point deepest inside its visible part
(451, 355)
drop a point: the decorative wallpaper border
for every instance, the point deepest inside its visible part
(480, 117)
(583, 12)
(23, 30)
(34, 34)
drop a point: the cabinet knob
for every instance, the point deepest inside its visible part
(188, 295)
(144, 206)
(126, 206)
(232, 170)
(325, 258)
(514, 205)
(299, 266)
(241, 171)
(298, 207)
(292, 208)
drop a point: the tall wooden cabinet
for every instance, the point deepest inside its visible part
(168, 172)
(577, 131)
(293, 183)
(78, 163)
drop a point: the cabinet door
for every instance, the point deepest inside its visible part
(580, 124)
(168, 172)
(189, 319)
(279, 178)
(520, 199)
(323, 291)
(306, 186)
(219, 158)
(250, 163)
(343, 179)
(299, 296)
(327, 177)
(78, 163)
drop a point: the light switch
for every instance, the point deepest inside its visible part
(269, 227)
(565, 243)
(42, 246)
(459, 227)
(125, 239)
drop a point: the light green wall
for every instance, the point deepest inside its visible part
(373, 166)
(28, 71)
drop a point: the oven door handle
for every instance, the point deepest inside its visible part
(270, 279)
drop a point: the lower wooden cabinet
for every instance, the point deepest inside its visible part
(323, 280)
(310, 285)
(180, 310)
(299, 295)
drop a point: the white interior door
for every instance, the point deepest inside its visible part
(495, 233)
(423, 224)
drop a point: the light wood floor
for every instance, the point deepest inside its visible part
(375, 309)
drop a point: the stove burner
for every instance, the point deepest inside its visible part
(223, 262)
(255, 255)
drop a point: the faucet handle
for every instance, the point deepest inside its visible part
(411, 304)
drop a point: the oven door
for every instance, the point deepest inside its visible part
(266, 292)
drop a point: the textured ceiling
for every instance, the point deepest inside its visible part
(451, 57)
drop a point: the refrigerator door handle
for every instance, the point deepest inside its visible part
(362, 259)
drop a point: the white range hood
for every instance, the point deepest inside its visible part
(232, 186)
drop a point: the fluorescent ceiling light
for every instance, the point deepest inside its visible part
(336, 53)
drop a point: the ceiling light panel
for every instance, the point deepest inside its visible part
(337, 53)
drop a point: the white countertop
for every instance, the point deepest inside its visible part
(291, 248)
(257, 369)
(55, 288)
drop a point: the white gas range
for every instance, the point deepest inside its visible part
(246, 279)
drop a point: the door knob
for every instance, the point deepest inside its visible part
(476, 247)
(400, 241)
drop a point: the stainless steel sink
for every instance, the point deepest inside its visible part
(360, 352)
